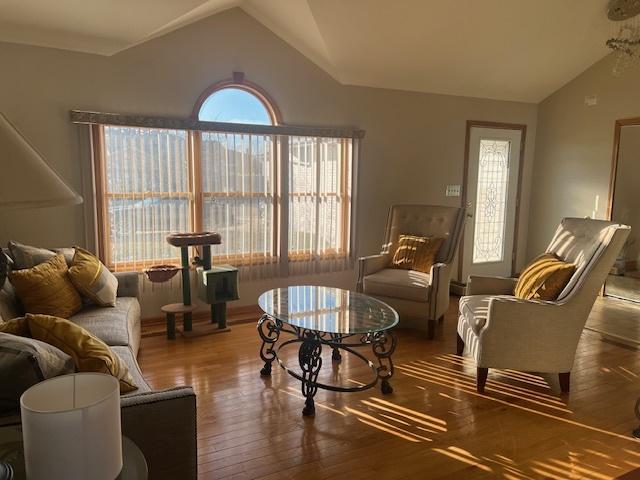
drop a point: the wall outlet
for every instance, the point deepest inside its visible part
(453, 191)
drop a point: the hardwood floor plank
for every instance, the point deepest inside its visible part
(434, 425)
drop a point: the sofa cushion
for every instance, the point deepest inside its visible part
(544, 278)
(25, 362)
(119, 325)
(416, 253)
(9, 304)
(89, 353)
(16, 326)
(93, 279)
(127, 356)
(392, 282)
(46, 288)
(26, 256)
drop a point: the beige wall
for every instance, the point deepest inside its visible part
(574, 147)
(414, 144)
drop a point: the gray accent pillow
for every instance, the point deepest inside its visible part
(26, 256)
(10, 306)
(25, 362)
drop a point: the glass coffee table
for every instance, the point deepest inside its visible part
(332, 317)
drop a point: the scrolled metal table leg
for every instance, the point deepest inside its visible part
(384, 344)
(269, 330)
(335, 355)
(310, 364)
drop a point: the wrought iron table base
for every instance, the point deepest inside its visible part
(383, 344)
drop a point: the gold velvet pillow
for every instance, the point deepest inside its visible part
(93, 279)
(416, 253)
(89, 353)
(46, 288)
(15, 326)
(544, 278)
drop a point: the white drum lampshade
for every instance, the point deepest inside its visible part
(71, 428)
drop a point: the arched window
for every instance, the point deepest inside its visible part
(237, 170)
(234, 105)
(237, 101)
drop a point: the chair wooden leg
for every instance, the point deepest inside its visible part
(565, 381)
(459, 345)
(431, 329)
(481, 379)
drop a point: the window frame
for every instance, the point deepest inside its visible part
(102, 197)
(240, 83)
(280, 194)
(199, 194)
(345, 194)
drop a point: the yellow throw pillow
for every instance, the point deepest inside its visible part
(93, 279)
(89, 353)
(15, 326)
(544, 278)
(46, 288)
(416, 253)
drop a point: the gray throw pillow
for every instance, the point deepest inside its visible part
(25, 362)
(26, 256)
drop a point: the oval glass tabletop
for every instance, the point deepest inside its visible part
(328, 309)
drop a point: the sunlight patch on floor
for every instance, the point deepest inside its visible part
(460, 385)
(463, 456)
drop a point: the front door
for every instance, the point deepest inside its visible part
(492, 196)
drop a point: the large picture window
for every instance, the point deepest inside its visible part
(154, 181)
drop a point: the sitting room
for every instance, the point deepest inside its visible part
(319, 239)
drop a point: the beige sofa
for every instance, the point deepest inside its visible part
(161, 422)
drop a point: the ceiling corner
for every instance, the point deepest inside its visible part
(293, 22)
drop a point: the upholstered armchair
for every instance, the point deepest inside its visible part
(502, 331)
(420, 298)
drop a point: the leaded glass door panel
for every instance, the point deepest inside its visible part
(492, 195)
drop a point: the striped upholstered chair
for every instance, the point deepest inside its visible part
(500, 330)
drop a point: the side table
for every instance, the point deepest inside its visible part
(134, 465)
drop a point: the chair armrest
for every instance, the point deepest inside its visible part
(369, 265)
(163, 425)
(477, 285)
(128, 284)
(532, 335)
(440, 280)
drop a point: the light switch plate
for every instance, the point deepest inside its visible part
(453, 191)
(591, 100)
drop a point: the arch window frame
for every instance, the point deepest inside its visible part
(240, 83)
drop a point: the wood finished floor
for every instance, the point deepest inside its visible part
(434, 425)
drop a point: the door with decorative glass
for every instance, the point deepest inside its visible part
(492, 196)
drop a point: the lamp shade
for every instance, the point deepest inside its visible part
(71, 428)
(26, 180)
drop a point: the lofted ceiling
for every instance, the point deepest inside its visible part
(519, 50)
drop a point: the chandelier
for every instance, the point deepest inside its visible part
(625, 37)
